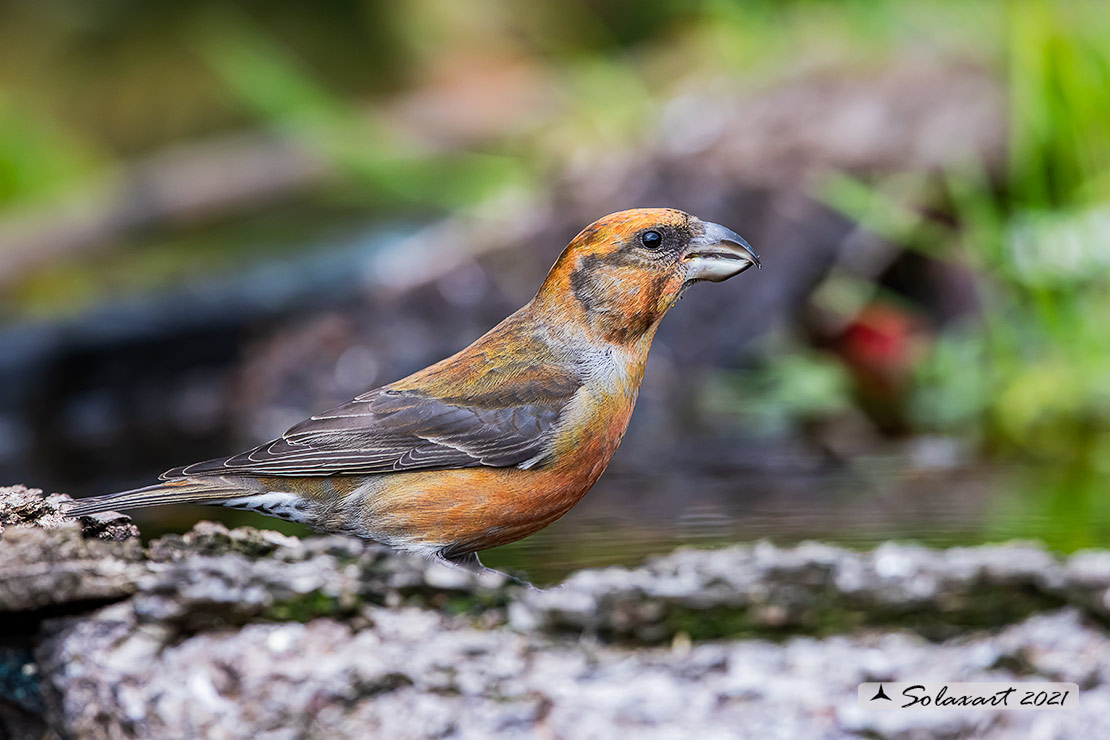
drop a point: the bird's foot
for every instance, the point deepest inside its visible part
(469, 561)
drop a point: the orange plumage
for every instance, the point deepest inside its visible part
(498, 440)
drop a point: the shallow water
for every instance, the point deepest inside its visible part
(627, 517)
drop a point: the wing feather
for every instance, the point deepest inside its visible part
(390, 429)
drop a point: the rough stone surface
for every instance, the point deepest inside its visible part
(814, 588)
(245, 633)
(60, 561)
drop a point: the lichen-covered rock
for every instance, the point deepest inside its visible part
(813, 588)
(210, 575)
(47, 560)
(245, 633)
(415, 673)
(20, 505)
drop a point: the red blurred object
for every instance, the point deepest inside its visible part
(880, 347)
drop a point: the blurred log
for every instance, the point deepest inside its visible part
(183, 185)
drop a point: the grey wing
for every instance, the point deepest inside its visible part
(389, 430)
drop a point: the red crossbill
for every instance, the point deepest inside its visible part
(497, 441)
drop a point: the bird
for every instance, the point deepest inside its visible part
(497, 441)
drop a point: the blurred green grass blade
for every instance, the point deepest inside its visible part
(38, 157)
(278, 88)
(883, 214)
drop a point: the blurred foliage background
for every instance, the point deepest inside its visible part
(217, 217)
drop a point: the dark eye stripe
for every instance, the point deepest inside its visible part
(651, 239)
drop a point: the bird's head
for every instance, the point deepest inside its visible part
(624, 271)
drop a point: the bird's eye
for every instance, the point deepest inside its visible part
(651, 239)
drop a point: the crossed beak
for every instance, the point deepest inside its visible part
(718, 254)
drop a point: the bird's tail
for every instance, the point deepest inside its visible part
(159, 494)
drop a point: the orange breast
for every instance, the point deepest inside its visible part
(477, 508)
